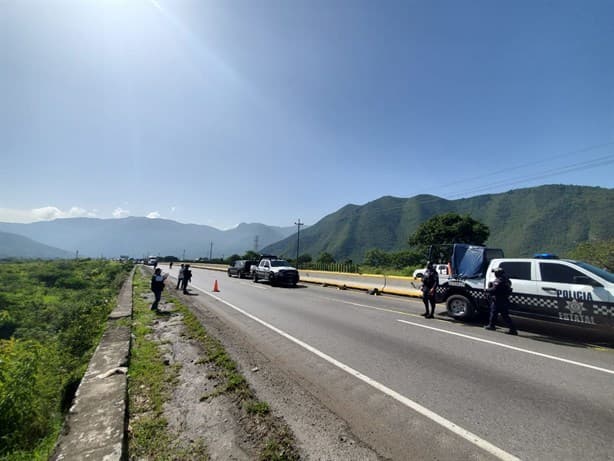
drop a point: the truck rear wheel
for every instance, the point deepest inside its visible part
(255, 277)
(460, 307)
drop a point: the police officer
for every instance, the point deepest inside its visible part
(157, 286)
(500, 290)
(430, 282)
(187, 277)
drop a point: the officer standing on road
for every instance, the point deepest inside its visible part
(157, 285)
(179, 277)
(187, 276)
(430, 282)
(500, 290)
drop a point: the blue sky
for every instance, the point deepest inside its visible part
(221, 112)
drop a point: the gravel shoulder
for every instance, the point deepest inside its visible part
(219, 421)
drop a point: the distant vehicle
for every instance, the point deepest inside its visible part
(241, 268)
(276, 272)
(152, 261)
(441, 269)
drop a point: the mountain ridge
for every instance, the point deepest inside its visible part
(139, 236)
(522, 221)
(20, 247)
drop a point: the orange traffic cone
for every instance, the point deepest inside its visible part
(215, 287)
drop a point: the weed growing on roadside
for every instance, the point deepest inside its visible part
(150, 382)
(280, 446)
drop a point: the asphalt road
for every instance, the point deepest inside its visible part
(414, 388)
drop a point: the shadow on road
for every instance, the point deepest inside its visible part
(548, 332)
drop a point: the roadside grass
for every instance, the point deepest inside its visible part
(280, 444)
(150, 384)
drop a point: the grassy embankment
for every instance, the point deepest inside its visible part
(151, 383)
(52, 315)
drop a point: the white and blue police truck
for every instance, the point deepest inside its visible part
(544, 287)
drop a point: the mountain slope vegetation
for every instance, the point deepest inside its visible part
(20, 247)
(554, 218)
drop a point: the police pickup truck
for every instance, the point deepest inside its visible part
(544, 287)
(275, 271)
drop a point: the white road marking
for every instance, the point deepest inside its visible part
(487, 341)
(465, 434)
(507, 346)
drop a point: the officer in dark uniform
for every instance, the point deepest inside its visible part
(430, 282)
(500, 290)
(157, 286)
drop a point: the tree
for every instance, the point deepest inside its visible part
(232, 258)
(377, 258)
(600, 254)
(305, 258)
(406, 258)
(450, 228)
(251, 255)
(325, 258)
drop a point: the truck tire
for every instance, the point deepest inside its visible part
(460, 307)
(229, 274)
(255, 277)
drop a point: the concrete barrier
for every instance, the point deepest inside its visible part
(95, 426)
(407, 286)
(341, 279)
(391, 284)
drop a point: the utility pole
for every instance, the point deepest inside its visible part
(256, 244)
(210, 250)
(298, 238)
(183, 257)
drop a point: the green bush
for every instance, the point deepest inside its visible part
(52, 315)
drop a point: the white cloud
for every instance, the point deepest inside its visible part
(46, 213)
(153, 215)
(120, 213)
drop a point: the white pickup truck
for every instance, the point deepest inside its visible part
(275, 271)
(548, 289)
(442, 269)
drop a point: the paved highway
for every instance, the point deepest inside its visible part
(414, 388)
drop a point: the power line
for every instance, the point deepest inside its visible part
(584, 165)
(532, 163)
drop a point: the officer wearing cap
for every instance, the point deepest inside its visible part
(500, 290)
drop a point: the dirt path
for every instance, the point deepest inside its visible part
(219, 421)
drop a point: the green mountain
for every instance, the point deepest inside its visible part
(553, 218)
(20, 247)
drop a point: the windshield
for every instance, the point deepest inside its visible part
(279, 263)
(595, 270)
